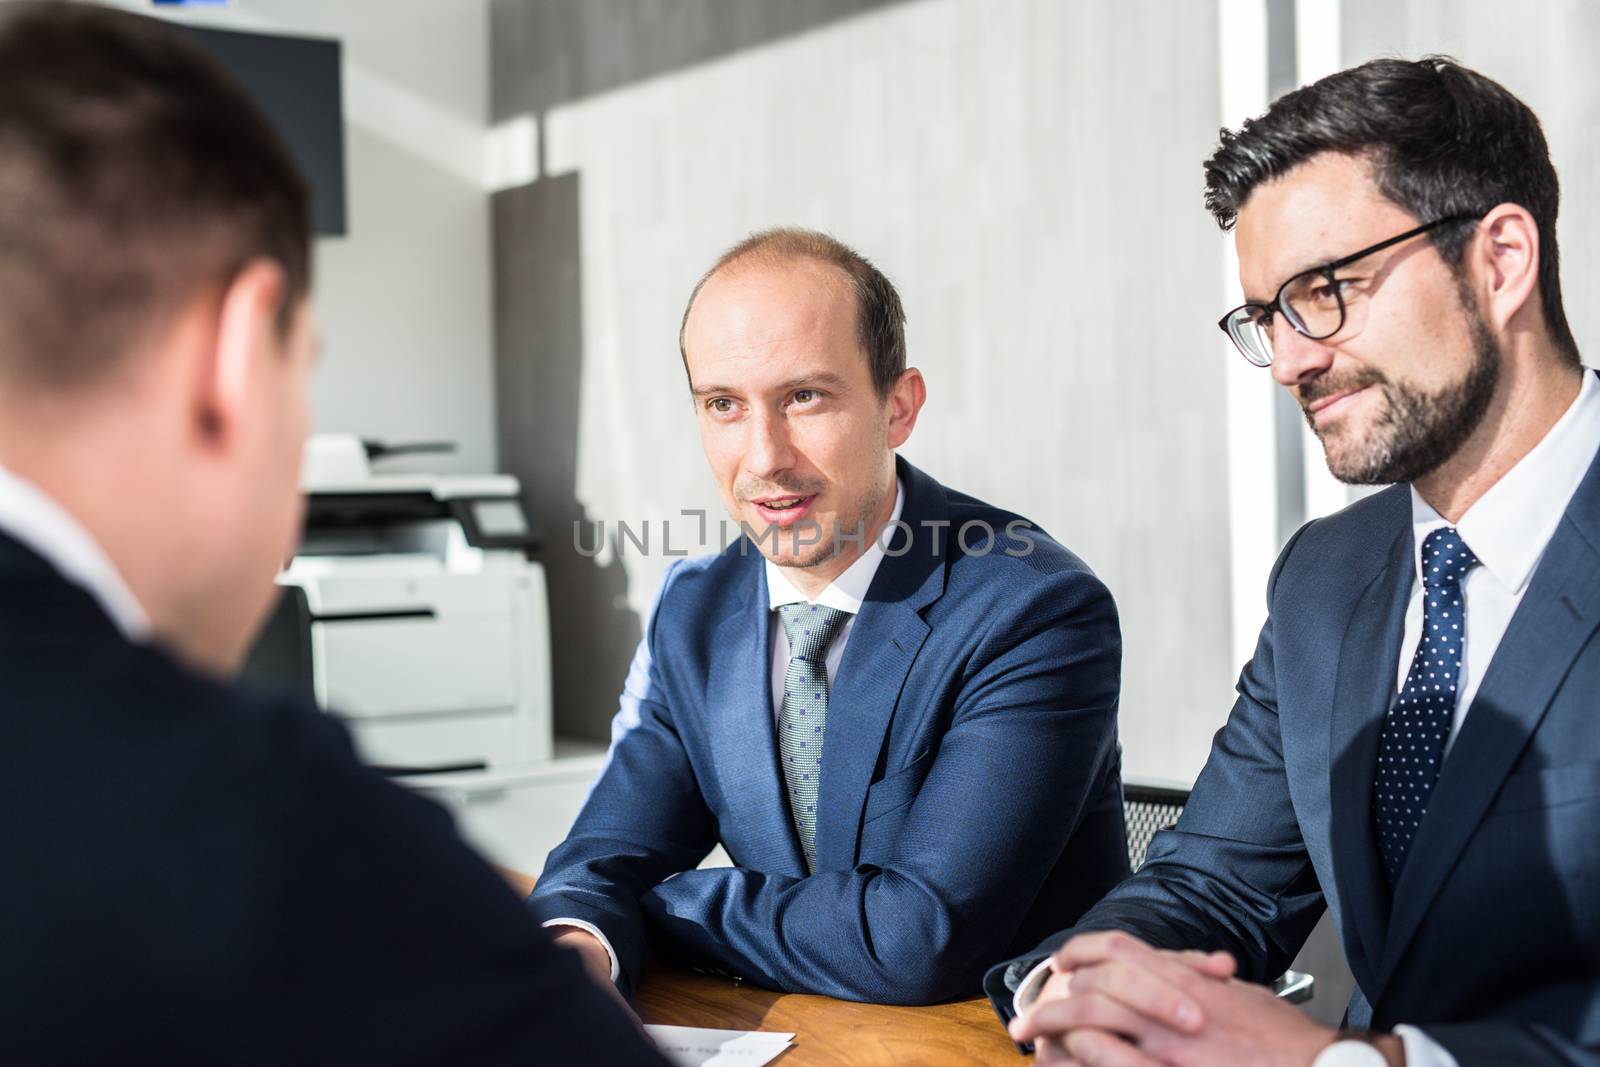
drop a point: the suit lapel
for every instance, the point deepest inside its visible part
(1363, 690)
(1557, 616)
(884, 643)
(743, 734)
(860, 707)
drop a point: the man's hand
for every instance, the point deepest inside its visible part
(1215, 964)
(596, 960)
(1117, 1002)
(1180, 1011)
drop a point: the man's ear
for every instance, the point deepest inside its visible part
(905, 401)
(1506, 249)
(246, 334)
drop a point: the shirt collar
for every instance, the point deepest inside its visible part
(849, 590)
(29, 516)
(1508, 527)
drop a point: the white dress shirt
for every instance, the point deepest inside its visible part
(1508, 529)
(846, 593)
(30, 517)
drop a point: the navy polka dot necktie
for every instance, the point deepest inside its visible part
(1411, 747)
(803, 718)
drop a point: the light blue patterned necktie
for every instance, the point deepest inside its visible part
(1411, 747)
(803, 719)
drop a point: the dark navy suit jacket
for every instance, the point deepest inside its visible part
(1490, 942)
(196, 874)
(970, 798)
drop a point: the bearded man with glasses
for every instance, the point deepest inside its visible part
(1414, 747)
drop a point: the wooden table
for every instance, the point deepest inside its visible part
(836, 1033)
(828, 1032)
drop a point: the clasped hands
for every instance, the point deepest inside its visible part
(1115, 1001)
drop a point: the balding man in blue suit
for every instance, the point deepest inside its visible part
(906, 744)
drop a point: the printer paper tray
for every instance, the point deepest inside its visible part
(413, 666)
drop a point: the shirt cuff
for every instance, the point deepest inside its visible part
(1028, 989)
(594, 931)
(1422, 1050)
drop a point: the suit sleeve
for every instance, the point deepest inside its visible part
(400, 945)
(1234, 874)
(1507, 1044)
(644, 821)
(1033, 729)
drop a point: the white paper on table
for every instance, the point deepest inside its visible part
(693, 1046)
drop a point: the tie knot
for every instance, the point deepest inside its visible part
(810, 628)
(1446, 559)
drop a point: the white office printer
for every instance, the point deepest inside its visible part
(412, 611)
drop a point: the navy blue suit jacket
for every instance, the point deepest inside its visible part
(970, 798)
(1490, 942)
(197, 874)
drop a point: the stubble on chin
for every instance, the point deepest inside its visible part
(1415, 432)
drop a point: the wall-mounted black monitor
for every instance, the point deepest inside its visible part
(296, 81)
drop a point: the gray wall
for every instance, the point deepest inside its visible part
(1027, 173)
(549, 52)
(405, 297)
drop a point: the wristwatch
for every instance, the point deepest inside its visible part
(1350, 1053)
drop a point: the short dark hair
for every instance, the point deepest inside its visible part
(133, 172)
(880, 319)
(1441, 139)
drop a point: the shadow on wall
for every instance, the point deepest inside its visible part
(545, 53)
(538, 370)
(548, 52)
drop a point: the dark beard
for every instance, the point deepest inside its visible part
(1418, 431)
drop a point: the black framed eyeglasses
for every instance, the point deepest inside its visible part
(1312, 302)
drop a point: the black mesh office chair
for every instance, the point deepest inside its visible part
(1149, 808)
